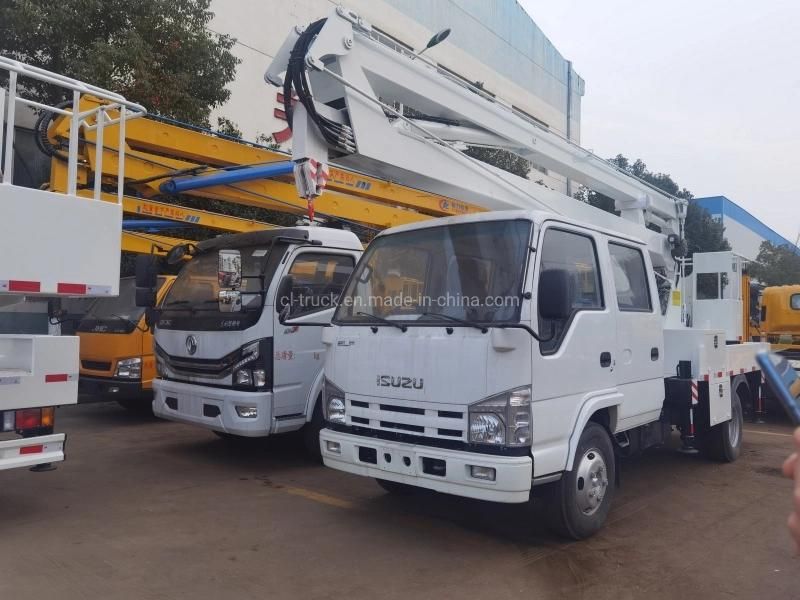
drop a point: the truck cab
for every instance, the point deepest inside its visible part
(779, 322)
(224, 360)
(487, 354)
(116, 347)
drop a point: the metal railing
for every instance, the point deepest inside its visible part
(94, 119)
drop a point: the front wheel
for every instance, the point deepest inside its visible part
(396, 488)
(311, 432)
(579, 502)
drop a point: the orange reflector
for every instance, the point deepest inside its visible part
(48, 416)
(37, 449)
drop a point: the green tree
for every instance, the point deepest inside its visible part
(703, 233)
(502, 159)
(158, 53)
(776, 265)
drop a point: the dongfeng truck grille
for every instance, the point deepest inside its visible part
(424, 419)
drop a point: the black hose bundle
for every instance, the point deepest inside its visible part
(296, 83)
(41, 129)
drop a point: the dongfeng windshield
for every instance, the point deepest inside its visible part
(471, 271)
(192, 302)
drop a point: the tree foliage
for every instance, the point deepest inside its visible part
(776, 265)
(502, 159)
(158, 53)
(703, 233)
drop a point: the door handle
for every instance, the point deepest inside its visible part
(605, 359)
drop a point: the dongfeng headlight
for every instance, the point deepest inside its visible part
(333, 404)
(129, 368)
(503, 420)
(249, 372)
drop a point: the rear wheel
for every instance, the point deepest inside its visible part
(579, 502)
(723, 442)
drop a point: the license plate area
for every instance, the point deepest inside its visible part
(388, 459)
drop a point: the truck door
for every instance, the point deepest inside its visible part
(319, 277)
(575, 366)
(638, 356)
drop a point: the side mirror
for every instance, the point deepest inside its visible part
(283, 297)
(178, 253)
(151, 318)
(145, 297)
(146, 271)
(555, 294)
(229, 273)
(229, 301)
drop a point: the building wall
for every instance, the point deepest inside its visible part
(745, 232)
(494, 42)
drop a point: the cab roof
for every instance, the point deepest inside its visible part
(324, 236)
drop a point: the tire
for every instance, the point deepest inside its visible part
(395, 488)
(311, 432)
(723, 442)
(575, 510)
(137, 406)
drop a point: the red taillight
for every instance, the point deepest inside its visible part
(29, 418)
(35, 449)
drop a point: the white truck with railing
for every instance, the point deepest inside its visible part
(489, 354)
(54, 246)
(224, 361)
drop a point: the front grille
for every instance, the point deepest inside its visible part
(423, 419)
(214, 368)
(96, 365)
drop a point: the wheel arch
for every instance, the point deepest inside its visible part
(603, 410)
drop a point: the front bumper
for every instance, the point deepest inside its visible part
(32, 451)
(212, 408)
(112, 389)
(405, 464)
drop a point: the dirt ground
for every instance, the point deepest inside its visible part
(144, 509)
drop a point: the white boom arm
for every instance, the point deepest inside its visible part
(357, 82)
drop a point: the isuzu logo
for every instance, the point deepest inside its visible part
(191, 344)
(400, 382)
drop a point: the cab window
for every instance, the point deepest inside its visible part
(630, 278)
(576, 254)
(318, 280)
(794, 302)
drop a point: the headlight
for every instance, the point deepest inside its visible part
(253, 369)
(504, 419)
(333, 404)
(129, 368)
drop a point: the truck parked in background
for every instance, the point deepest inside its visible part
(224, 361)
(779, 321)
(116, 348)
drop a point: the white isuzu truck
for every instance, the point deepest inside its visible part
(488, 354)
(224, 361)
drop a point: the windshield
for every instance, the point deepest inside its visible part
(192, 301)
(470, 271)
(116, 314)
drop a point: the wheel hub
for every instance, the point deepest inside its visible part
(591, 481)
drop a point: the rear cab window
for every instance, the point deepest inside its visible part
(630, 278)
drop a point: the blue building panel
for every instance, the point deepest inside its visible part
(723, 208)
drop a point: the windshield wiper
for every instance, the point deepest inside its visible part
(400, 326)
(482, 328)
(128, 321)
